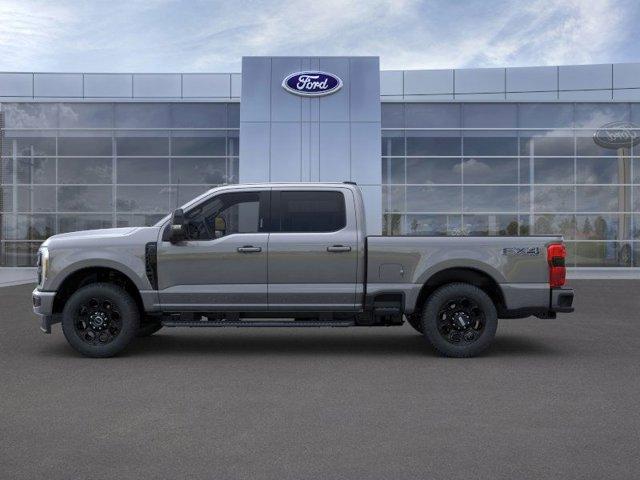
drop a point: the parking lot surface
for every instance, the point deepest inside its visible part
(552, 399)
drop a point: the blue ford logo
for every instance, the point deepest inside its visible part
(312, 84)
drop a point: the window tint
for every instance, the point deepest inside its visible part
(224, 215)
(312, 211)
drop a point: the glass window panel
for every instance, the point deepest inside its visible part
(555, 225)
(19, 254)
(199, 115)
(602, 199)
(211, 145)
(6, 199)
(142, 170)
(433, 143)
(392, 115)
(143, 199)
(434, 225)
(636, 170)
(233, 143)
(554, 199)
(393, 171)
(6, 170)
(490, 225)
(90, 146)
(488, 115)
(545, 115)
(524, 199)
(434, 170)
(210, 171)
(233, 175)
(603, 170)
(432, 115)
(553, 170)
(490, 199)
(392, 224)
(603, 227)
(83, 115)
(598, 114)
(36, 199)
(75, 223)
(233, 112)
(137, 219)
(28, 227)
(603, 254)
(145, 146)
(36, 170)
(636, 254)
(85, 170)
(489, 145)
(490, 170)
(182, 194)
(142, 115)
(434, 199)
(392, 143)
(543, 144)
(29, 146)
(30, 115)
(636, 199)
(585, 145)
(525, 173)
(636, 227)
(393, 199)
(85, 199)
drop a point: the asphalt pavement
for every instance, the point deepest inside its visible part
(552, 399)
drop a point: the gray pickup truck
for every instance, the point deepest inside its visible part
(290, 255)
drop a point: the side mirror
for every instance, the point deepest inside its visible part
(219, 227)
(177, 233)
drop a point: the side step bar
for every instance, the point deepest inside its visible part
(256, 323)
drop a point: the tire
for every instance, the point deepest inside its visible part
(459, 320)
(100, 320)
(415, 320)
(148, 327)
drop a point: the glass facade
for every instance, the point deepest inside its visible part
(514, 169)
(77, 166)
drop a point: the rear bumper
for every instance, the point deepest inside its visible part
(43, 308)
(561, 300)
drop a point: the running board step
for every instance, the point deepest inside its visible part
(254, 323)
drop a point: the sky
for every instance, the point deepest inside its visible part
(212, 36)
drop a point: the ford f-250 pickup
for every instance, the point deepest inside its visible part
(290, 255)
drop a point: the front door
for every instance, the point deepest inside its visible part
(222, 264)
(313, 257)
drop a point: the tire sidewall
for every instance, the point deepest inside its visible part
(430, 319)
(128, 310)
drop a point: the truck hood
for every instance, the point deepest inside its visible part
(106, 237)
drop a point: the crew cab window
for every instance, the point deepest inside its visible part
(312, 211)
(224, 215)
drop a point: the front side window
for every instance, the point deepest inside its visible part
(312, 211)
(223, 215)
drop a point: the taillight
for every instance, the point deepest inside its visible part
(556, 253)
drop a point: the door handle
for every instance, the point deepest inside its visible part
(339, 248)
(249, 249)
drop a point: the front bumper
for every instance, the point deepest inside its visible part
(43, 307)
(562, 300)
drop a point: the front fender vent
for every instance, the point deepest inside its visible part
(151, 263)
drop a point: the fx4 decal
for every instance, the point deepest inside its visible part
(521, 251)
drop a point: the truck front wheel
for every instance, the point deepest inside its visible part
(100, 319)
(459, 320)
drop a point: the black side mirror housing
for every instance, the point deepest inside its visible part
(177, 233)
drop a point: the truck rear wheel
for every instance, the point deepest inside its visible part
(100, 319)
(459, 320)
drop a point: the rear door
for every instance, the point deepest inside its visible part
(313, 256)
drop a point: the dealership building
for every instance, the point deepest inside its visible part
(491, 151)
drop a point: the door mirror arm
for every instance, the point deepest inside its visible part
(177, 232)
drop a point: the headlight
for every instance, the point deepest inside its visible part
(43, 265)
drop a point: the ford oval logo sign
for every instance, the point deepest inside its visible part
(312, 84)
(617, 135)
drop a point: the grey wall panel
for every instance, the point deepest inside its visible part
(254, 151)
(372, 195)
(335, 107)
(427, 82)
(285, 152)
(285, 107)
(236, 85)
(584, 77)
(305, 150)
(157, 85)
(16, 84)
(532, 96)
(586, 95)
(480, 97)
(205, 85)
(365, 154)
(391, 82)
(626, 75)
(532, 79)
(364, 81)
(334, 151)
(314, 154)
(479, 80)
(256, 89)
(57, 85)
(426, 98)
(630, 94)
(108, 85)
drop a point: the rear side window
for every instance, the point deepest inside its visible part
(312, 211)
